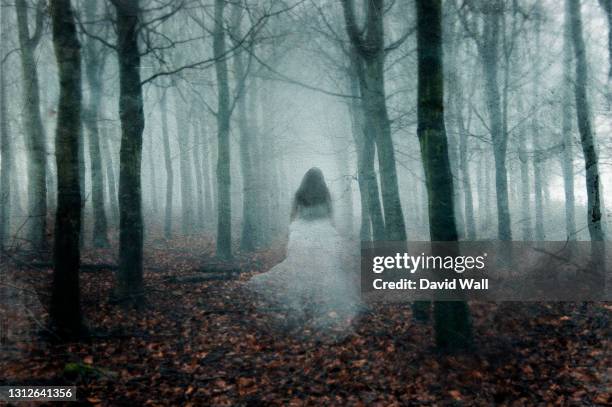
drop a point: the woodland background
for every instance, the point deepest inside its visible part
(149, 151)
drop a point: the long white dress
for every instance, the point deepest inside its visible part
(319, 278)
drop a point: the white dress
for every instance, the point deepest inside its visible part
(319, 277)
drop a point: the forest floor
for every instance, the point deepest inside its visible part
(206, 343)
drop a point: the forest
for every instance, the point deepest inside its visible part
(152, 161)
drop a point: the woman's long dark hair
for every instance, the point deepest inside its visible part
(312, 199)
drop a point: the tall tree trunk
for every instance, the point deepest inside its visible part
(452, 320)
(257, 161)
(5, 141)
(65, 310)
(464, 166)
(153, 175)
(93, 71)
(224, 221)
(129, 281)
(525, 193)
(110, 174)
(538, 156)
(35, 135)
(455, 166)
(583, 114)
(489, 54)
(249, 234)
(185, 167)
(199, 175)
(356, 114)
(376, 110)
(484, 193)
(567, 160)
(375, 102)
(49, 146)
(163, 107)
(209, 208)
(462, 173)
(366, 150)
(371, 51)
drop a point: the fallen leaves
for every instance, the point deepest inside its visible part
(206, 343)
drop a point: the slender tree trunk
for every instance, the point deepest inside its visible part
(93, 70)
(465, 218)
(355, 111)
(376, 108)
(49, 146)
(525, 193)
(484, 194)
(249, 232)
(129, 281)
(65, 310)
(538, 157)
(464, 166)
(567, 160)
(185, 167)
(489, 54)
(587, 137)
(110, 174)
(224, 221)
(5, 141)
(199, 176)
(35, 135)
(153, 176)
(524, 188)
(214, 150)
(257, 161)
(455, 165)
(209, 208)
(366, 151)
(452, 320)
(248, 235)
(538, 187)
(163, 107)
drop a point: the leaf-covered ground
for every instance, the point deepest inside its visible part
(206, 343)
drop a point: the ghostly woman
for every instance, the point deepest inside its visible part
(318, 281)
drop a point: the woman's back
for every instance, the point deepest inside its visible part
(318, 275)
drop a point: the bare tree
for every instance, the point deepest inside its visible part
(65, 310)
(95, 56)
(369, 45)
(567, 159)
(129, 281)
(37, 154)
(488, 48)
(224, 221)
(452, 321)
(587, 136)
(5, 138)
(168, 163)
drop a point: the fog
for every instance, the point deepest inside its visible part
(296, 109)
